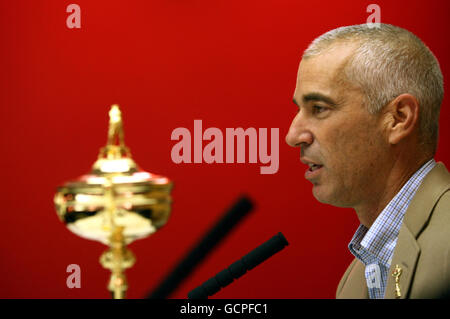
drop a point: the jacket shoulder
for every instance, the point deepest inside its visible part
(432, 276)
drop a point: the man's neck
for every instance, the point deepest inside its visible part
(399, 173)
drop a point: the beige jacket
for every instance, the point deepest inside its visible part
(422, 250)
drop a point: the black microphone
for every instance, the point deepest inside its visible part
(239, 268)
(226, 223)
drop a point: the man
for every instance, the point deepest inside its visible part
(367, 126)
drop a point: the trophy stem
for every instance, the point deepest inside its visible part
(117, 258)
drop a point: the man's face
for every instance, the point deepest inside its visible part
(336, 133)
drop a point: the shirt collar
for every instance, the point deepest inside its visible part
(377, 243)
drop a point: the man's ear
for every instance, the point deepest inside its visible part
(403, 115)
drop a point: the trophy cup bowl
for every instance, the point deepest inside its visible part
(115, 204)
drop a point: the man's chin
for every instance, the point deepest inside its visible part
(318, 193)
(322, 196)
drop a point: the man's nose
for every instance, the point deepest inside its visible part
(299, 134)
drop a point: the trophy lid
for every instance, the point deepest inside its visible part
(116, 193)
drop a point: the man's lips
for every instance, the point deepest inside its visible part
(313, 169)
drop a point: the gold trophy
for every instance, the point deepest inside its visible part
(115, 204)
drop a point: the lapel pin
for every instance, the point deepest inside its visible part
(396, 274)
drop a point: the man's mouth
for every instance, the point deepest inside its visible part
(313, 171)
(313, 168)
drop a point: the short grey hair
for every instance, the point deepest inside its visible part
(387, 62)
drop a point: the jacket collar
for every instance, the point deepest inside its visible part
(407, 250)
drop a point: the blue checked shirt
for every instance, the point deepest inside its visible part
(374, 247)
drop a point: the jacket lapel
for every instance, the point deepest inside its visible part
(353, 283)
(405, 256)
(407, 250)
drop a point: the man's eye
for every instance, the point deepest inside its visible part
(318, 109)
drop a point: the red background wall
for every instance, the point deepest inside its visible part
(168, 62)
